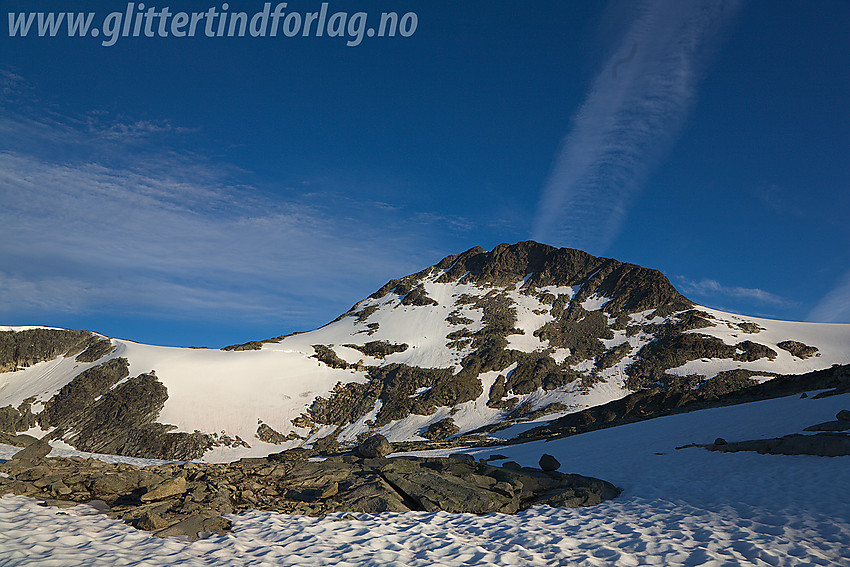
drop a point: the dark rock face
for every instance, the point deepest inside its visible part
(96, 351)
(190, 498)
(77, 397)
(633, 288)
(269, 435)
(19, 419)
(731, 381)
(675, 350)
(798, 349)
(25, 348)
(650, 403)
(396, 386)
(326, 355)
(375, 446)
(820, 444)
(535, 371)
(379, 349)
(120, 420)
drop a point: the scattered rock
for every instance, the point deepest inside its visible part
(441, 429)
(374, 446)
(549, 463)
(189, 499)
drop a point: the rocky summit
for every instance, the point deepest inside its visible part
(455, 354)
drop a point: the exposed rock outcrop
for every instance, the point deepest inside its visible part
(798, 349)
(190, 498)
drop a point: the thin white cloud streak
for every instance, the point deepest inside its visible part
(835, 305)
(632, 114)
(708, 287)
(125, 228)
(86, 237)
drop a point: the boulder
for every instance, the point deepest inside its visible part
(151, 521)
(843, 415)
(549, 463)
(172, 487)
(199, 525)
(375, 446)
(35, 450)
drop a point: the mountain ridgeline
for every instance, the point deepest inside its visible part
(478, 342)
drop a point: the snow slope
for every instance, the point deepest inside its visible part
(679, 508)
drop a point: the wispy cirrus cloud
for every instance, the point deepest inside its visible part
(714, 289)
(633, 112)
(106, 216)
(835, 305)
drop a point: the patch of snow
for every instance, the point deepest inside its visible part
(560, 355)
(594, 302)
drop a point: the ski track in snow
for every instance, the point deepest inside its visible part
(688, 507)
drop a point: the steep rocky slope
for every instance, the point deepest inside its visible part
(524, 332)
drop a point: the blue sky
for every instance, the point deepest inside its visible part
(208, 191)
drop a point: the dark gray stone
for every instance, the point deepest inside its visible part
(35, 450)
(375, 446)
(199, 525)
(549, 463)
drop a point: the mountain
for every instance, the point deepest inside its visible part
(480, 341)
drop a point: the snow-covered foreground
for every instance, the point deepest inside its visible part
(687, 507)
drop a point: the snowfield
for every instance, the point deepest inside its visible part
(688, 507)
